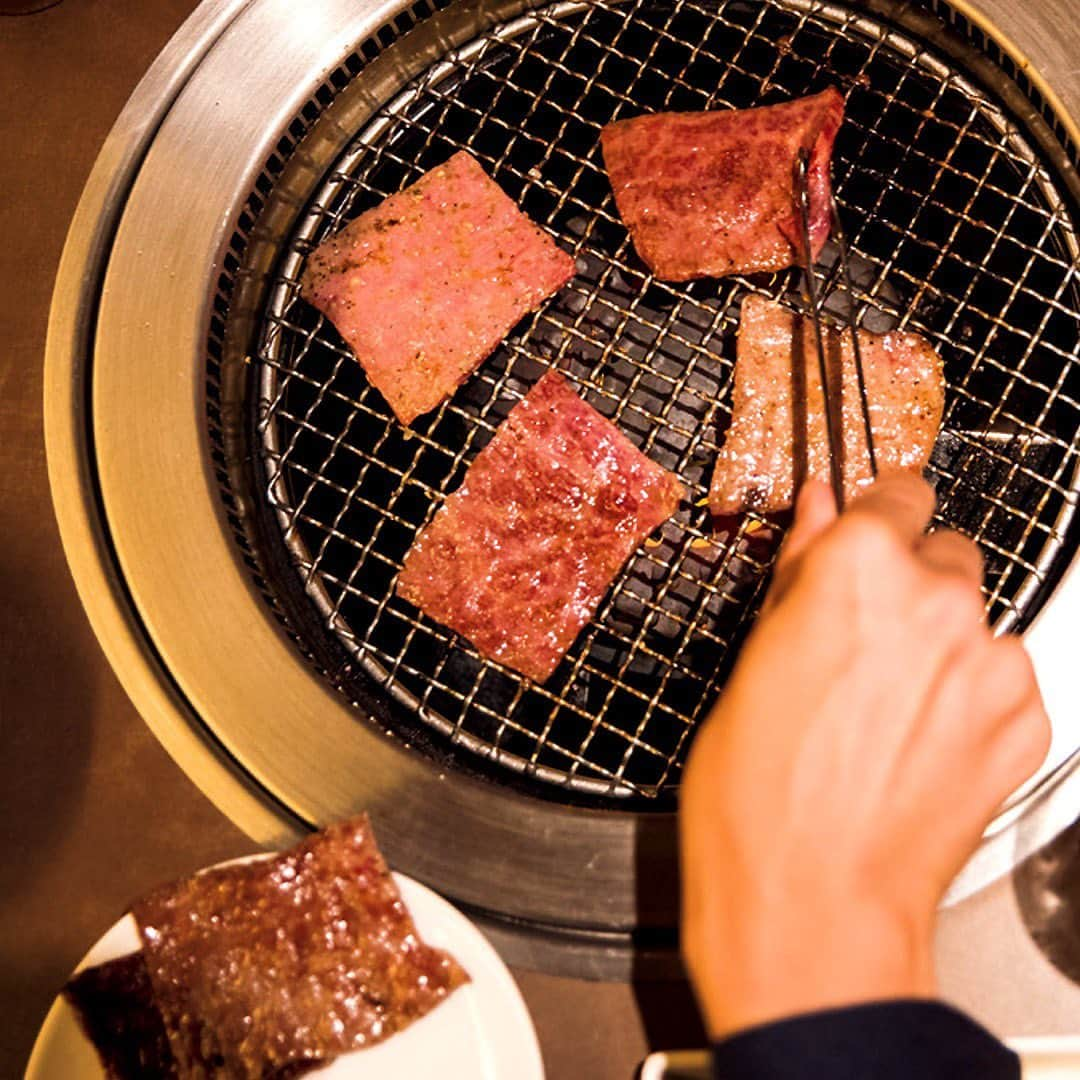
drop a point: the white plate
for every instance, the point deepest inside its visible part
(482, 1031)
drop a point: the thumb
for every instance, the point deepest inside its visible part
(815, 511)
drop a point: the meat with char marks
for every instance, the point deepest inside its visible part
(778, 436)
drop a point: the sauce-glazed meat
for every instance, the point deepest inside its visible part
(269, 967)
(424, 286)
(778, 435)
(712, 193)
(115, 1006)
(519, 557)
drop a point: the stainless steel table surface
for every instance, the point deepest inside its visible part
(92, 810)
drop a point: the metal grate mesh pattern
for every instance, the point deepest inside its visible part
(956, 231)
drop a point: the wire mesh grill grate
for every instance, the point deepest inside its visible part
(956, 230)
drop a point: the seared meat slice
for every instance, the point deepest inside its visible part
(269, 967)
(115, 1006)
(519, 557)
(778, 436)
(424, 286)
(712, 193)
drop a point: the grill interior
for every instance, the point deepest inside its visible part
(957, 227)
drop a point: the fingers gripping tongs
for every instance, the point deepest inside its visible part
(832, 389)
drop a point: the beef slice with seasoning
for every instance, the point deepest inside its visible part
(114, 1003)
(711, 193)
(266, 968)
(519, 557)
(778, 435)
(425, 285)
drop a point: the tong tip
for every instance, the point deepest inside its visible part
(833, 419)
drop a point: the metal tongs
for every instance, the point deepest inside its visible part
(832, 388)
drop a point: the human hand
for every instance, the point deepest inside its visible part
(869, 731)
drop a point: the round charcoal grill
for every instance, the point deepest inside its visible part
(244, 501)
(942, 233)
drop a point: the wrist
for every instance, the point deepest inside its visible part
(814, 954)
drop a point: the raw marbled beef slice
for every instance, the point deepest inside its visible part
(519, 557)
(425, 285)
(713, 193)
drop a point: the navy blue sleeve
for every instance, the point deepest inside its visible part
(894, 1040)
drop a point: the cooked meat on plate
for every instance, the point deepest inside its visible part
(271, 967)
(711, 193)
(778, 435)
(425, 285)
(115, 1005)
(519, 557)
